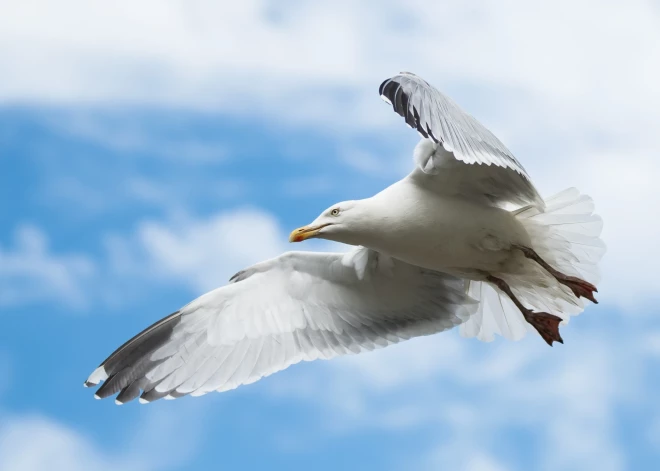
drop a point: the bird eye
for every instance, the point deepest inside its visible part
(335, 212)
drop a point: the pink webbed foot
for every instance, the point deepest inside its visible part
(579, 287)
(547, 325)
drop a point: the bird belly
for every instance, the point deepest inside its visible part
(454, 253)
(462, 238)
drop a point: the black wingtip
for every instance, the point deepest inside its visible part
(124, 369)
(382, 87)
(153, 395)
(237, 276)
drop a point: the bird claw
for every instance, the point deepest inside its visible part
(580, 288)
(547, 325)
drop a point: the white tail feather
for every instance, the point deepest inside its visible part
(566, 235)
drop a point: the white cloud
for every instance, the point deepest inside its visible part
(198, 253)
(31, 273)
(624, 186)
(476, 398)
(201, 253)
(409, 362)
(204, 253)
(594, 67)
(37, 443)
(570, 85)
(573, 95)
(625, 192)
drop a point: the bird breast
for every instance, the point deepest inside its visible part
(444, 233)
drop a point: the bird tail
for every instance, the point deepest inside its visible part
(567, 236)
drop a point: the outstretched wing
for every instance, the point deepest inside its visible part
(486, 168)
(299, 306)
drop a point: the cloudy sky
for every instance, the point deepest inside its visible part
(138, 140)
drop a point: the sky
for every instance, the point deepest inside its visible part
(139, 140)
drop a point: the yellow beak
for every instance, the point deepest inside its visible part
(305, 232)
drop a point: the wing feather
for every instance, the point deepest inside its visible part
(490, 172)
(299, 306)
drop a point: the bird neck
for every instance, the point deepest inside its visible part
(371, 220)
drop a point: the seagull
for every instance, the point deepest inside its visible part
(464, 240)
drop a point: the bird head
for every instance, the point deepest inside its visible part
(331, 224)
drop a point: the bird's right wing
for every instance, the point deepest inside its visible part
(299, 306)
(457, 154)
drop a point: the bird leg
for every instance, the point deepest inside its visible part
(547, 325)
(579, 287)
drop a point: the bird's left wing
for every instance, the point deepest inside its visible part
(457, 153)
(299, 306)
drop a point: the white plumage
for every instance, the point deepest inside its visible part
(565, 235)
(438, 249)
(299, 306)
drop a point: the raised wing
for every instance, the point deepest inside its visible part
(491, 170)
(299, 306)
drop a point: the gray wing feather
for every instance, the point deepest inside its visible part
(299, 306)
(437, 118)
(125, 367)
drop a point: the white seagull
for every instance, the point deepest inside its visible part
(440, 248)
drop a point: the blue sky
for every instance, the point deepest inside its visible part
(138, 141)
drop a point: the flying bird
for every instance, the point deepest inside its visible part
(464, 240)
